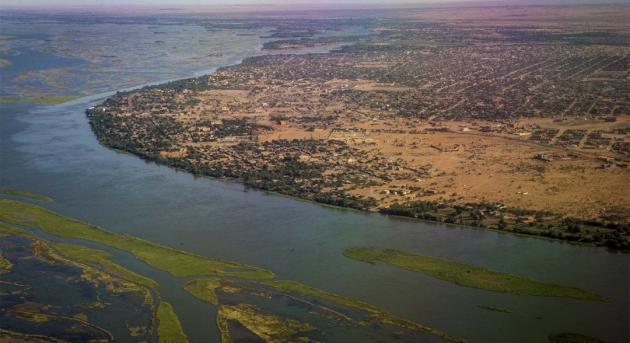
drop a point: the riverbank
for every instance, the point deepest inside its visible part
(493, 216)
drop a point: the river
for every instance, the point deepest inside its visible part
(51, 150)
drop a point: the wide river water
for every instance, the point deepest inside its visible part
(51, 150)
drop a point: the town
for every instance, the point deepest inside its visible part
(503, 127)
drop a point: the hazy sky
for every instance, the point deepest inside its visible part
(289, 3)
(196, 2)
(51, 3)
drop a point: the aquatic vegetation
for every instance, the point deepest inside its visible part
(270, 328)
(5, 265)
(204, 289)
(571, 337)
(25, 194)
(88, 255)
(11, 230)
(169, 328)
(314, 302)
(178, 263)
(32, 312)
(113, 276)
(375, 312)
(39, 100)
(300, 288)
(467, 275)
(30, 309)
(43, 250)
(19, 337)
(112, 272)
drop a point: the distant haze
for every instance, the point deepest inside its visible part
(276, 4)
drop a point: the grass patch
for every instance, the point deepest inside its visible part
(28, 195)
(99, 257)
(467, 275)
(10, 230)
(5, 265)
(300, 288)
(268, 327)
(204, 289)
(39, 100)
(375, 312)
(178, 263)
(169, 328)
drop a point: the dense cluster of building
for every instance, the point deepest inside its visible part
(223, 124)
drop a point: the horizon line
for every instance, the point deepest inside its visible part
(299, 6)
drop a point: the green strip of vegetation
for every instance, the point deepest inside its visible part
(39, 100)
(300, 288)
(28, 195)
(467, 275)
(178, 263)
(88, 255)
(11, 230)
(169, 328)
(380, 315)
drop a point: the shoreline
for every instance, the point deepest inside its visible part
(246, 188)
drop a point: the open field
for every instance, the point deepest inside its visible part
(466, 275)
